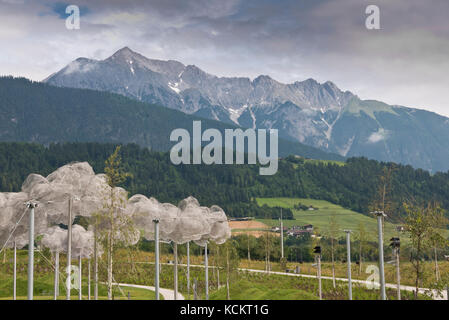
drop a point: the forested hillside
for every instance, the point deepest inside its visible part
(353, 185)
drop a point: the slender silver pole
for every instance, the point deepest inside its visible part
(175, 251)
(15, 271)
(95, 265)
(31, 252)
(348, 257)
(319, 276)
(206, 265)
(380, 214)
(56, 293)
(398, 274)
(69, 249)
(80, 279)
(88, 279)
(156, 257)
(188, 269)
(282, 237)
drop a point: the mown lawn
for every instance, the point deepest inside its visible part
(43, 289)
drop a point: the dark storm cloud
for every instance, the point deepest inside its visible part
(403, 63)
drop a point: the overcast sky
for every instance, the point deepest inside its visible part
(405, 62)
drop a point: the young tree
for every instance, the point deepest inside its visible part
(418, 224)
(228, 260)
(362, 238)
(115, 226)
(437, 240)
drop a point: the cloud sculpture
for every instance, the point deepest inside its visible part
(82, 241)
(12, 208)
(191, 222)
(187, 222)
(144, 211)
(216, 218)
(55, 239)
(77, 180)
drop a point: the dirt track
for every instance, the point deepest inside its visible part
(244, 227)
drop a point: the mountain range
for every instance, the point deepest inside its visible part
(45, 114)
(312, 113)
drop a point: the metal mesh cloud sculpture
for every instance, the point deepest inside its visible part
(183, 223)
(76, 180)
(187, 222)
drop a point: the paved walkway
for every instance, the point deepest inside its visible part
(166, 293)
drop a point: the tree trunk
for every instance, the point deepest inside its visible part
(437, 270)
(333, 263)
(110, 265)
(110, 249)
(218, 267)
(249, 256)
(360, 258)
(417, 269)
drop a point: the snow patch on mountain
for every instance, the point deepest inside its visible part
(234, 114)
(174, 87)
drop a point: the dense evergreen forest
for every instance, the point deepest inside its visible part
(353, 185)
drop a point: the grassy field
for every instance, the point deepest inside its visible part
(137, 268)
(44, 288)
(319, 218)
(261, 286)
(407, 271)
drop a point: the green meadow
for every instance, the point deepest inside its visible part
(320, 218)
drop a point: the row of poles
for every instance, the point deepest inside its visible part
(33, 205)
(30, 294)
(30, 289)
(175, 252)
(317, 250)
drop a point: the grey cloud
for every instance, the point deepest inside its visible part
(289, 40)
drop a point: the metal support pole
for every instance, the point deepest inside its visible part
(206, 266)
(31, 206)
(188, 269)
(15, 271)
(348, 258)
(175, 251)
(282, 237)
(88, 279)
(156, 257)
(80, 279)
(380, 215)
(398, 273)
(56, 291)
(95, 265)
(69, 249)
(319, 276)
